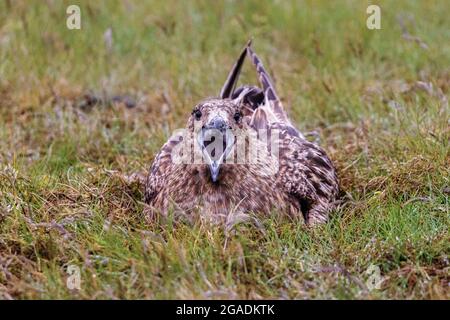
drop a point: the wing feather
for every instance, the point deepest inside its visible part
(272, 100)
(233, 76)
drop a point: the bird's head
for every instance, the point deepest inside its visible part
(215, 123)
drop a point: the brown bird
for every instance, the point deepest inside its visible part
(240, 153)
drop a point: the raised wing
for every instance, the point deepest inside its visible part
(233, 76)
(272, 103)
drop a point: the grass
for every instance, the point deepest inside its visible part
(377, 100)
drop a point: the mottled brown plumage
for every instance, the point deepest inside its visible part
(237, 170)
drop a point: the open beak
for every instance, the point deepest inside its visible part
(216, 141)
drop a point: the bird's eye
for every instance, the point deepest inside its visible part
(197, 114)
(237, 116)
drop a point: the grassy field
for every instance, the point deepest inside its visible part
(376, 98)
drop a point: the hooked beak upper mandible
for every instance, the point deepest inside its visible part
(215, 140)
(217, 123)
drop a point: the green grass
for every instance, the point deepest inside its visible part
(377, 100)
